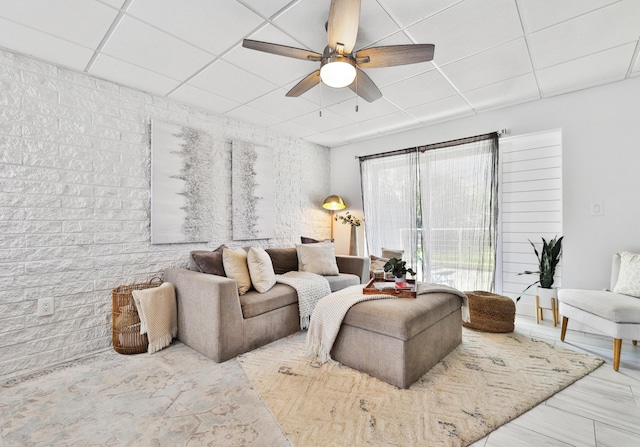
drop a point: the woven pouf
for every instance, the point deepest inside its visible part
(490, 312)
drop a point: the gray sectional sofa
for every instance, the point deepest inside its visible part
(216, 321)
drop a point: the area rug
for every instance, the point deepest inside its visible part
(485, 382)
(175, 397)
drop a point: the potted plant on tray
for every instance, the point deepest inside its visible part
(398, 268)
(548, 259)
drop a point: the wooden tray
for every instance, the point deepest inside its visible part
(369, 289)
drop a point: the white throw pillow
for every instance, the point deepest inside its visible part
(392, 253)
(235, 266)
(261, 269)
(377, 263)
(629, 278)
(317, 258)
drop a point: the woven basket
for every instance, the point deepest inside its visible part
(125, 321)
(490, 312)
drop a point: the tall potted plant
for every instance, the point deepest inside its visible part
(548, 259)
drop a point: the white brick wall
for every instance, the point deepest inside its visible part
(74, 203)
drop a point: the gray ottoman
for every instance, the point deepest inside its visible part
(398, 340)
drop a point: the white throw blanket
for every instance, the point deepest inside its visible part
(310, 288)
(330, 312)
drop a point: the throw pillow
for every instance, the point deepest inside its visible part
(158, 315)
(392, 253)
(629, 277)
(235, 266)
(317, 258)
(260, 269)
(310, 240)
(283, 259)
(377, 263)
(209, 262)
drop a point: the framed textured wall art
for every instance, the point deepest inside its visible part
(252, 190)
(181, 184)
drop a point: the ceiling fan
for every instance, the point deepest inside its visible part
(339, 63)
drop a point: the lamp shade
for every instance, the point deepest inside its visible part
(334, 203)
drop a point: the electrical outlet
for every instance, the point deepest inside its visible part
(45, 306)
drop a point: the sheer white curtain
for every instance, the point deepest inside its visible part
(439, 204)
(390, 193)
(458, 191)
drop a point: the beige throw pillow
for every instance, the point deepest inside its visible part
(317, 258)
(235, 266)
(377, 263)
(260, 269)
(629, 277)
(392, 253)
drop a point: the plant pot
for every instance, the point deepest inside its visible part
(547, 299)
(401, 278)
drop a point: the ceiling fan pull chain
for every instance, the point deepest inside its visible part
(320, 90)
(356, 93)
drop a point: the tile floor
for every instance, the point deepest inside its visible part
(600, 410)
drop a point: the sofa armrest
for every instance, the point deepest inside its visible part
(356, 265)
(209, 313)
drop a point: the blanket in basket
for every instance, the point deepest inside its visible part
(310, 288)
(330, 311)
(158, 315)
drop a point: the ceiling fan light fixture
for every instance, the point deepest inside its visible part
(338, 71)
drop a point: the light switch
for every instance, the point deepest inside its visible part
(597, 209)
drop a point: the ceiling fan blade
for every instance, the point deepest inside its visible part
(364, 87)
(344, 17)
(281, 50)
(393, 55)
(307, 83)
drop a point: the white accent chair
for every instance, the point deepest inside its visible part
(611, 313)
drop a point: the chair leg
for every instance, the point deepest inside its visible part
(538, 310)
(554, 310)
(617, 347)
(563, 329)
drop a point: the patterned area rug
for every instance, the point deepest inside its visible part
(484, 383)
(175, 397)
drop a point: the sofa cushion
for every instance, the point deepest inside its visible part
(283, 259)
(342, 280)
(254, 303)
(235, 266)
(629, 277)
(612, 306)
(208, 261)
(317, 258)
(260, 269)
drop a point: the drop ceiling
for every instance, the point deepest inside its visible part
(488, 54)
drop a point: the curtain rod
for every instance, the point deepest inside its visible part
(433, 146)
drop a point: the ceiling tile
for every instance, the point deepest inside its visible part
(274, 68)
(115, 3)
(253, 116)
(305, 22)
(292, 129)
(393, 123)
(636, 67)
(140, 44)
(79, 21)
(326, 122)
(206, 100)
(267, 7)
(409, 13)
(28, 41)
(327, 139)
(277, 104)
(358, 131)
(375, 24)
(540, 14)
(599, 30)
(600, 68)
(366, 110)
(446, 108)
(491, 66)
(469, 27)
(212, 26)
(426, 87)
(232, 82)
(389, 75)
(511, 91)
(124, 73)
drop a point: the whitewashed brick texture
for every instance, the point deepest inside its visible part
(75, 203)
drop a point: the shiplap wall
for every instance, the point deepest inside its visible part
(531, 208)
